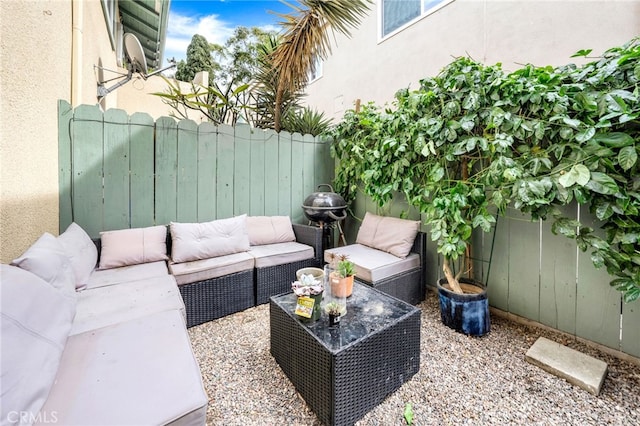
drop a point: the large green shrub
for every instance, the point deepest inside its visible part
(474, 139)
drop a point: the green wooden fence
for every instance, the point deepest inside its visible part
(119, 171)
(537, 275)
(546, 278)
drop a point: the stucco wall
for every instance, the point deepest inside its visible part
(38, 68)
(137, 96)
(490, 31)
(99, 64)
(96, 50)
(35, 56)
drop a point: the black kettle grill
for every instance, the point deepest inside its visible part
(326, 208)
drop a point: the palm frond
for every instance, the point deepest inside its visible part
(341, 15)
(307, 35)
(305, 121)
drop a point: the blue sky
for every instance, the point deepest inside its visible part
(216, 20)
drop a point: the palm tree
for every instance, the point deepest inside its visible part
(306, 38)
(265, 85)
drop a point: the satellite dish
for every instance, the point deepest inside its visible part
(136, 63)
(135, 54)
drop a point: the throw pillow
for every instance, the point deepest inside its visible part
(35, 320)
(133, 246)
(47, 259)
(390, 234)
(81, 251)
(195, 241)
(367, 232)
(269, 230)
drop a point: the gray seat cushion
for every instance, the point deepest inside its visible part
(104, 306)
(280, 253)
(106, 277)
(373, 265)
(137, 372)
(206, 269)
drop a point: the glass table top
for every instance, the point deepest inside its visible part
(368, 311)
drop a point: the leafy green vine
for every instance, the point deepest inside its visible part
(475, 139)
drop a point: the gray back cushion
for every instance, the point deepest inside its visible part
(35, 321)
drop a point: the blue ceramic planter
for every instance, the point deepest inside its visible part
(466, 313)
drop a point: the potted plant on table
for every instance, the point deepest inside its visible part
(308, 288)
(342, 275)
(335, 310)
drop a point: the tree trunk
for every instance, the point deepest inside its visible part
(453, 282)
(277, 109)
(468, 263)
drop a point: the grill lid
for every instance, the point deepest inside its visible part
(325, 200)
(325, 206)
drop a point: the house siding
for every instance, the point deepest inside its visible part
(35, 40)
(37, 69)
(510, 32)
(531, 273)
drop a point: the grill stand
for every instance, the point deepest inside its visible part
(327, 233)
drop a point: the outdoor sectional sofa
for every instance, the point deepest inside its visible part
(82, 345)
(97, 330)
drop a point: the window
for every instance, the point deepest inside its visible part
(109, 9)
(316, 72)
(396, 14)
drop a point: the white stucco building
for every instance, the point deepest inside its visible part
(52, 50)
(403, 41)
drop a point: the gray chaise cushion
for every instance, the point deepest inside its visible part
(104, 306)
(35, 321)
(137, 372)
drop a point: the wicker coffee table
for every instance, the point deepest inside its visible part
(344, 372)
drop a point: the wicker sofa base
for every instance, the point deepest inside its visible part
(215, 298)
(406, 286)
(211, 299)
(273, 280)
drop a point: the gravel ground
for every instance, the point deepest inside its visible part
(462, 380)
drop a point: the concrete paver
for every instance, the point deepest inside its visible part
(577, 368)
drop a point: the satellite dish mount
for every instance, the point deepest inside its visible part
(136, 63)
